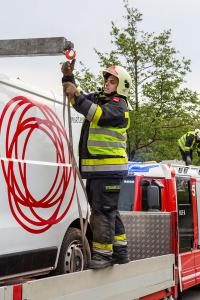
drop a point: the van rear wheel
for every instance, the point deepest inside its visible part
(72, 257)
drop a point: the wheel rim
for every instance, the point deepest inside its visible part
(74, 260)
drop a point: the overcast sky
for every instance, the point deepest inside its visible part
(87, 23)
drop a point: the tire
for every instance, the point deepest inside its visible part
(72, 258)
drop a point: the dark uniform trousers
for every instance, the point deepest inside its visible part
(103, 194)
(185, 154)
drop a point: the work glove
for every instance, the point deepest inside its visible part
(70, 90)
(188, 161)
(68, 68)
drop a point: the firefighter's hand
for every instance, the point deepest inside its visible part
(68, 68)
(70, 90)
(188, 161)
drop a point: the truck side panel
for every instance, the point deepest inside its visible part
(129, 281)
(148, 233)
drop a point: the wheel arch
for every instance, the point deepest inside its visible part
(76, 224)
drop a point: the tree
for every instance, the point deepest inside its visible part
(163, 109)
(87, 80)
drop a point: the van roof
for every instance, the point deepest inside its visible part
(20, 85)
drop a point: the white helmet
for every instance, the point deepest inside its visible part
(123, 76)
(197, 133)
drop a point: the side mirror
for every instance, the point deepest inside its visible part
(153, 197)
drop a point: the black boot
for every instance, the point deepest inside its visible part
(117, 259)
(120, 255)
(99, 261)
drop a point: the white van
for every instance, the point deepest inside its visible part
(39, 217)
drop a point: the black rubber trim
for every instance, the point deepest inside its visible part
(27, 261)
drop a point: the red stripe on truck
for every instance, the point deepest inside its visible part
(17, 292)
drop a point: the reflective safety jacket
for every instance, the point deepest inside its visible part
(102, 146)
(188, 142)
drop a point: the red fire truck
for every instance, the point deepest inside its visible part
(156, 189)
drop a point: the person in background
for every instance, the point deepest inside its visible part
(188, 143)
(103, 159)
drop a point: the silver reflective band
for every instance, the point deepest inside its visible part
(102, 168)
(91, 112)
(105, 252)
(106, 144)
(120, 243)
(108, 132)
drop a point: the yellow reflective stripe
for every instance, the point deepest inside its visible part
(120, 237)
(78, 91)
(72, 101)
(97, 115)
(127, 116)
(102, 246)
(112, 187)
(104, 161)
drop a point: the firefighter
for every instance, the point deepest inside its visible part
(103, 158)
(189, 142)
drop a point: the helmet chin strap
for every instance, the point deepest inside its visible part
(115, 94)
(110, 94)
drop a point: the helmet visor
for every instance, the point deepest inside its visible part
(109, 71)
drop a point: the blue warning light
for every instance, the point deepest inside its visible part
(134, 167)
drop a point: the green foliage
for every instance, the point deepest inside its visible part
(87, 80)
(163, 109)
